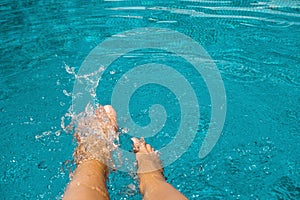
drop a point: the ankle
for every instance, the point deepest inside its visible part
(149, 181)
(93, 167)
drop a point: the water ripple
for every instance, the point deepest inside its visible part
(237, 16)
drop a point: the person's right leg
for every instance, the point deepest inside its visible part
(152, 182)
(91, 155)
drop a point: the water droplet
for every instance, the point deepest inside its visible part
(124, 130)
(37, 137)
(57, 133)
(131, 186)
(67, 93)
(70, 70)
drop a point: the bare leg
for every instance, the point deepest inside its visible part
(89, 179)
(88, 182)
(152, 182)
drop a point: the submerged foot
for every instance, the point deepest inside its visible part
(150, 171)
(95, 133)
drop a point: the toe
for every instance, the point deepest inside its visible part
(110, 112)
(112, 115)
(139, 145)
(136, 144)
(100, 111)
(143, 146)
(148, 147)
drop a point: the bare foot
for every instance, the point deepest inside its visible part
(150, 171)
(95, 133)
(152, 181)
(96, 130)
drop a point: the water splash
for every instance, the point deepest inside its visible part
(92, 128)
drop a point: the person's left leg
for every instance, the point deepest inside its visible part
(89, 178)
(152, 181)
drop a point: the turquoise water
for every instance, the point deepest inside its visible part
(255, 46)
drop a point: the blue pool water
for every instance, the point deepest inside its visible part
(254, 44)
